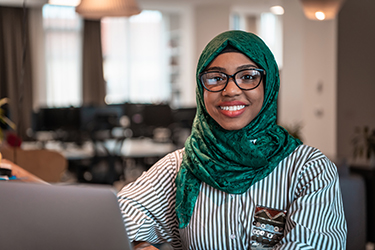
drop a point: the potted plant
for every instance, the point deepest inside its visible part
(3, 119)
(294, 130)
(364, 146)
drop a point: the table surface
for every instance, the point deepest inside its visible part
(130, 148)
(22, 174)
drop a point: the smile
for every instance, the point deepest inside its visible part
(232, 108)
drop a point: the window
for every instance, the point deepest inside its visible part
(135, 58)
(271, 31)
(62, 29)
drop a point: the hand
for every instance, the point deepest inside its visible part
(140, 245)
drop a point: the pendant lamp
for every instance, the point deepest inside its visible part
(321, 9)
(96, 9)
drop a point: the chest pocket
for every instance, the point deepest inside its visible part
(268, 227)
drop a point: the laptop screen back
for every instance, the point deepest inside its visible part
(37, 216)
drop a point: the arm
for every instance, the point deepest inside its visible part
(316, 217)
(147, 205)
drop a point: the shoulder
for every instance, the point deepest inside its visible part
(309, 166)
(308, 162)
(307, 153)
(158, 180)
(306, 156)
(170, 163)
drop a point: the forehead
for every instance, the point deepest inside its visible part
(230, 61)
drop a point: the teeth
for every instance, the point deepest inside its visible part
(232, 108)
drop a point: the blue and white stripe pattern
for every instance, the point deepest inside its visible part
(304, 185)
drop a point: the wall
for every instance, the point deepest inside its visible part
(187, 34)
(210, 20)
(37, 45)
(356, 67)
(308, 77)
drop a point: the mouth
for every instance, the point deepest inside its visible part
(232, 108)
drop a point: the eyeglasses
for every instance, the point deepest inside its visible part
(246, 79)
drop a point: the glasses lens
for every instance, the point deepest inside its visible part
(214, 81)
(248, 79)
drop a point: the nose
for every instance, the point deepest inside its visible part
(231, 89)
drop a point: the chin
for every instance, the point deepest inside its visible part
(231, 126)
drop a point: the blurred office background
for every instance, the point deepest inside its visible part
(115, 95)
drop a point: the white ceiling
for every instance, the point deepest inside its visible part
(255, 3)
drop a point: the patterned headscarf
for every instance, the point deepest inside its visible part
(232, 160)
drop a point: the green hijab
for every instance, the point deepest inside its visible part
(232, 160)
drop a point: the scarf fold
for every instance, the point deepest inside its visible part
(232, 160)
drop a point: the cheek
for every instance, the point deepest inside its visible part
(256, 98)
(261, 99)
(206, 99)
(260, 95)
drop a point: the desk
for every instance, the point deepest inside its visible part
(107, 160)
(128, 148)
(145, 147)
(368, 175)
(110, 147)
(70, 151)
(22, 174)
(138, 147)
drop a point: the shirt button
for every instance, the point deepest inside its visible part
(232, 236)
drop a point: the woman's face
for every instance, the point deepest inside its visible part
(233, 108)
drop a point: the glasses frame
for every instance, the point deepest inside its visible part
(261, 71)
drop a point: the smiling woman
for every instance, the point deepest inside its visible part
(242, 181)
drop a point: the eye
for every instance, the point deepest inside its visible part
(248, 75)
(214, 78)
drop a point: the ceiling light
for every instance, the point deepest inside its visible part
(320, 15)
(321, 9)
(277, 10)
(96, 9)
(73, 3)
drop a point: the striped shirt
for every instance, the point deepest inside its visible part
(297, 206)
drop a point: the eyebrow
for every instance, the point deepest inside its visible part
(246, 66)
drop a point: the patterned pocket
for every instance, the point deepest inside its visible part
(268, 227)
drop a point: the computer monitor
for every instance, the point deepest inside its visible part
(159, 115)
(94, 118)
(184, 117)
(52, 119)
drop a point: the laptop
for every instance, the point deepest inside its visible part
(41, 217)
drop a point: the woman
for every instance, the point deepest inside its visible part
(241, 182)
